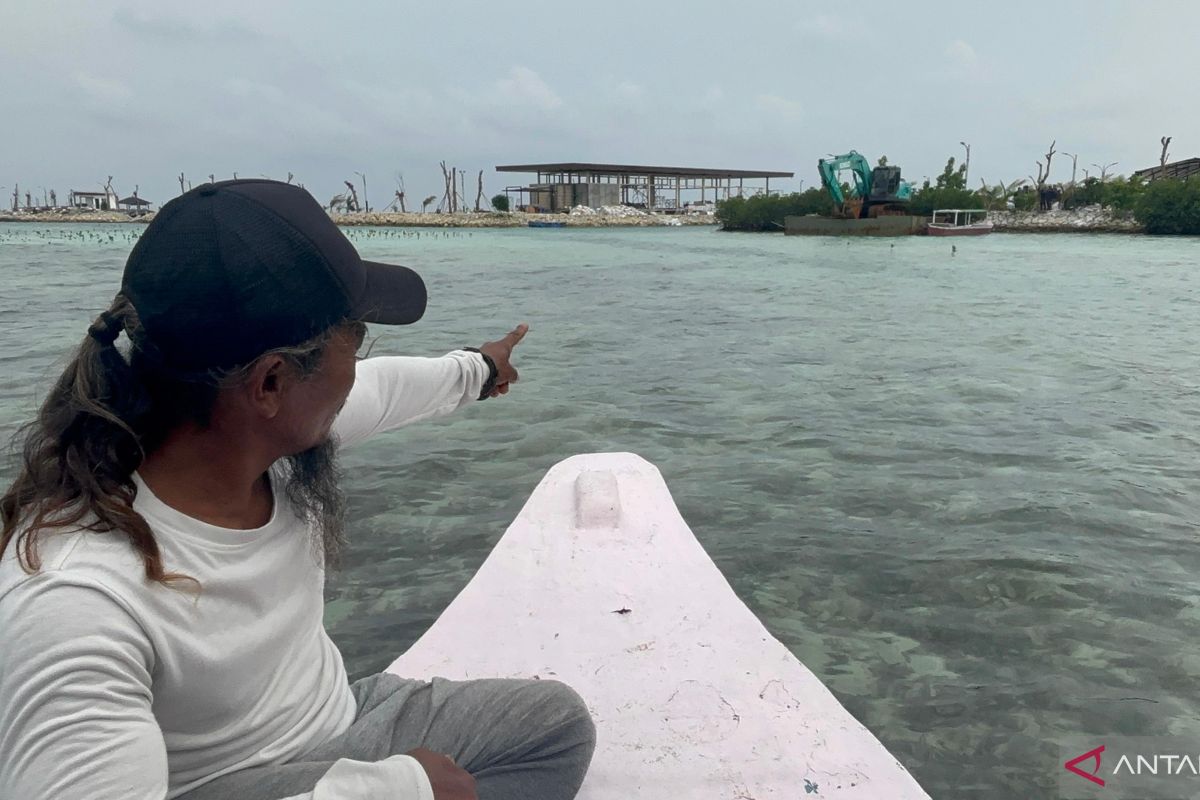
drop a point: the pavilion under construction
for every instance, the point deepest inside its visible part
(560, 187)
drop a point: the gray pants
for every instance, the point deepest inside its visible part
(525, 739)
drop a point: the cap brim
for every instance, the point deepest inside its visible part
(392, 295)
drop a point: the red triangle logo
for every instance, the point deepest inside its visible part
(1090, 754)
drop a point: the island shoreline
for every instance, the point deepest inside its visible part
(1085, 220)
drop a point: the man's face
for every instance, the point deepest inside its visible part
(315, 401)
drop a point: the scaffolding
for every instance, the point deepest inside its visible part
(659, 189)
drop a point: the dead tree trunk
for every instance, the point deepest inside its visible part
(1162, 159)
(352, 202)
(1046, 197)
(446, 201)
(479, 195)
(400, 193)
(1049, 156)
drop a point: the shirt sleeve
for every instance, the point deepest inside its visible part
(393, 391)
(75, 700)
(394, 778)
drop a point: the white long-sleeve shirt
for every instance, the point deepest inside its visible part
(114, 687)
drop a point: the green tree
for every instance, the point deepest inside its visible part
(926, 199)
(1025, 199)
(1123, 194)
(1088, 193)
(1170, 207)
(766, 213)
(952, 178)
(1119, 194)
(500, 202)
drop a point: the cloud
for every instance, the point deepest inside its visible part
(103, 91)
(178, 30)
(824, 26)
(256, 91)
(627, 90)
(525, 87)
(962, 53)
(778, 106)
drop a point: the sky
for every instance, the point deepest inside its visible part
(145, 90)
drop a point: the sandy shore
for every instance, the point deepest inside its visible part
(395, 219)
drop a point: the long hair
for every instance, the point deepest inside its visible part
(94, 429)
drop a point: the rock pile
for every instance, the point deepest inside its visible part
(63, 214)
(580, 216)
(1086, 219)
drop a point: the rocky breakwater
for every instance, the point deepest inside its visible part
(579, 217)
(73, 215)
(1089, 219)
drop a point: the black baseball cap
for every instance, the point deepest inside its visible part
(230, 270)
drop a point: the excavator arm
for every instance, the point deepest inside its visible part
(831, 167)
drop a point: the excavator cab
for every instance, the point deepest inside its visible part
(885, 185)
(888, 196)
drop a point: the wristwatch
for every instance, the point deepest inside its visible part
(493, 373)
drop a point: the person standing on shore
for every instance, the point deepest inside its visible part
(164, 546)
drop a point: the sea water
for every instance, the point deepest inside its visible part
(960, 486)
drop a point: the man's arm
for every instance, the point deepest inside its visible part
(75, 701)
(393, 391)
(75, 707)
(390, 392)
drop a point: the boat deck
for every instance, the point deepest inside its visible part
(600, 583)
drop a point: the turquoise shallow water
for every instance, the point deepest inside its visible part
(960, 488)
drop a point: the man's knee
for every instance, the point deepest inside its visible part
(566, 712)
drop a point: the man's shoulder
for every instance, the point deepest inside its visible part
(74, 555)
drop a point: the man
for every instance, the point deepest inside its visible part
(164, 543)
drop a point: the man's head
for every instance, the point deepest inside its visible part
(241, 301)
(234, 269)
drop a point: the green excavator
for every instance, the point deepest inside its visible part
(875, 192)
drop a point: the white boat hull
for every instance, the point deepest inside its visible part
(975, 229)
(600, 583)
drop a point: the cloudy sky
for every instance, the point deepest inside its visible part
(144, 90)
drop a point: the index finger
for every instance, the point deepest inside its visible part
(515, 336)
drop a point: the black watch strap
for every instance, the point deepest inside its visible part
(493, 373)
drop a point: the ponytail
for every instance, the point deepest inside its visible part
(80, 453)
(93, 432)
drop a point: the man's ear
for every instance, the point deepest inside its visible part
(269, 378)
